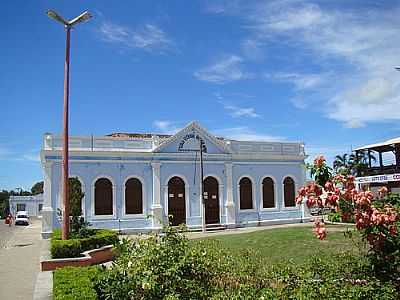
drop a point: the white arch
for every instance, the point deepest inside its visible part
(220, 194)
(144, 198)
(93, 215)
(295, 207)
(253, 191)
(275, 193)
(187, 210)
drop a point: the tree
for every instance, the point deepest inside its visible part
(4, 204)
(75, 199)
(37, 188)
(359, 162)
(376, 218)
(341, 163)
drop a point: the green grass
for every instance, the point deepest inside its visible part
(295, 244)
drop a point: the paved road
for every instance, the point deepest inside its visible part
(6, 233)
(19, 259)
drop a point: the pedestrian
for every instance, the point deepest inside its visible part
(9, 220)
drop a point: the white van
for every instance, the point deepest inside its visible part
(22, 218)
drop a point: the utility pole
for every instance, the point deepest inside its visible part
(64, 171)
(203, 207)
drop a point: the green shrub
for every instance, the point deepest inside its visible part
(334, 217)
(75, 246)
(67, 248)
(75, 283)
(168, 266)
(163, 266)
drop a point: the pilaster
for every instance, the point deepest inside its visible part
(157, 209)
(229, 203)
(47, 210)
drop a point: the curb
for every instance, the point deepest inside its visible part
(44, 280)
(44, 286)
(90, 257)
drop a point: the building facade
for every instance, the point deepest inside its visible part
(32, 204)
(133, 182)
(382, 166)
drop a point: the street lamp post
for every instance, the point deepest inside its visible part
(64, 175)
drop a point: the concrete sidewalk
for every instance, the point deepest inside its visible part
(19, 262)
(240, 230)
(212, 233)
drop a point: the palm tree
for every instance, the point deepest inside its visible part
(358, 163)
(341, 162)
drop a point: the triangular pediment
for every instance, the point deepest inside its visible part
(187, 139)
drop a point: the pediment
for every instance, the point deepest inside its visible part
(188, 139)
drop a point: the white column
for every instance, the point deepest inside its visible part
(156, 207)
(47, 210)
(229, 204)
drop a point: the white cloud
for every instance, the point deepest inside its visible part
(245, 134)
(238, 112)
(226, 70)
(31, 157)
(299, 102)
(358, 47)
(300, 81)
(148, 37)
(166, 127)
(252, 49)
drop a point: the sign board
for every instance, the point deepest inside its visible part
(190, 142)
(378, 178)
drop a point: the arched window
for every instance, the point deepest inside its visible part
(133, 196)
(268, 194)
(103, 197)
(289, 192)
(246, 193)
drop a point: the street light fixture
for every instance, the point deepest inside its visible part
(397, 68)
(64, 175)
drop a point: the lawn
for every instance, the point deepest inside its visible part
(295, 243)
(172, 268)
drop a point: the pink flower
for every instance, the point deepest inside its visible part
(319, 161)
(311, 201)
(382, 191)
(393, 230)
(329, 186)
(302, 192)
(320, 230)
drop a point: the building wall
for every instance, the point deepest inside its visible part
(31, 204)
(155, 163)
(118, 173)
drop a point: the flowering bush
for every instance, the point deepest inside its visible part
(377, 218)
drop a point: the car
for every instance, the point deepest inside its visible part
(22, 218)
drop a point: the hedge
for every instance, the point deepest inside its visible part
(75, 283)
(75, 246)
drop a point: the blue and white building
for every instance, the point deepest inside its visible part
(132, 182)
(32, 204)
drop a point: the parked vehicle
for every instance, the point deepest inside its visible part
(22, 218)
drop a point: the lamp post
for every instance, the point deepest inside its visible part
(64, 171)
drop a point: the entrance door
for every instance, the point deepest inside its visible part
(211, 198)
(176, 200)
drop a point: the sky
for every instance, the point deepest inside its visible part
(320, 72)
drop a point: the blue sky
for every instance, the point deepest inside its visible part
(321, 72)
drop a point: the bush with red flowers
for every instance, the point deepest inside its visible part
(376, 218)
